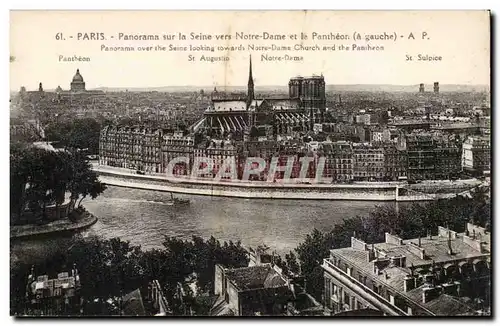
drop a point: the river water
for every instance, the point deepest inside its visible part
(143, 217)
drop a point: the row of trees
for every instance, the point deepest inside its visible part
(40, 177)
(84, 133)
(76, 134)
(111, 268)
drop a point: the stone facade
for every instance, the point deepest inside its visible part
(432, 155)
(476, 154)
(368, 162)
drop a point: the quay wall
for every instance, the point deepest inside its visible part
(60, 226)
(358, 192)
(33, 244)
(256, 193)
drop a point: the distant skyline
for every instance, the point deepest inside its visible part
(284, 88)
(464, 62)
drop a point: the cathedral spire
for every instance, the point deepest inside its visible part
(250, 77)
(250, 83)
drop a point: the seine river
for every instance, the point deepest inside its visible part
(144, 218)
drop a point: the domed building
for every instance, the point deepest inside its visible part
(77, 85)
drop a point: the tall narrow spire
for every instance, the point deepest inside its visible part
(250, 77)
(250, 83)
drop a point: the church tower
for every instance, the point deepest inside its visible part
(251, 94)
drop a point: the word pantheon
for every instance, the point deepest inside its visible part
(72, 58)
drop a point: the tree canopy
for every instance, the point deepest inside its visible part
(40, 177)
(78, 134)
(111, 268)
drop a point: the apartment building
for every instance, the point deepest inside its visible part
(441, 274)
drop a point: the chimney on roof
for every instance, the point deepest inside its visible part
(371, 253)
(399, 261)
(392, 239)
(429, 279)
(450, 249)
(451, 288)
(430, 293)
(409, 283)
(419, 241)
(419, 280)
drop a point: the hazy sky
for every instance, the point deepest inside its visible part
(462, 39)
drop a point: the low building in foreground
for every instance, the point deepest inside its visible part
(54, 297)
(261, 289)
(149, 302)
(444, 275)
(250, 291)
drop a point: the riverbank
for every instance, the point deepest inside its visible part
(60, 226)
(363, 191)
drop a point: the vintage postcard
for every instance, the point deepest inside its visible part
(250, 163)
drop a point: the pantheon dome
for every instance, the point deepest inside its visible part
(78, 85)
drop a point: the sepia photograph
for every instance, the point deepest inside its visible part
(250, 163)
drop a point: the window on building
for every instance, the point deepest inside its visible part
(400, 303)
(328, 293)
(347, 298)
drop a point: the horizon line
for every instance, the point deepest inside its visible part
(261, 86)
